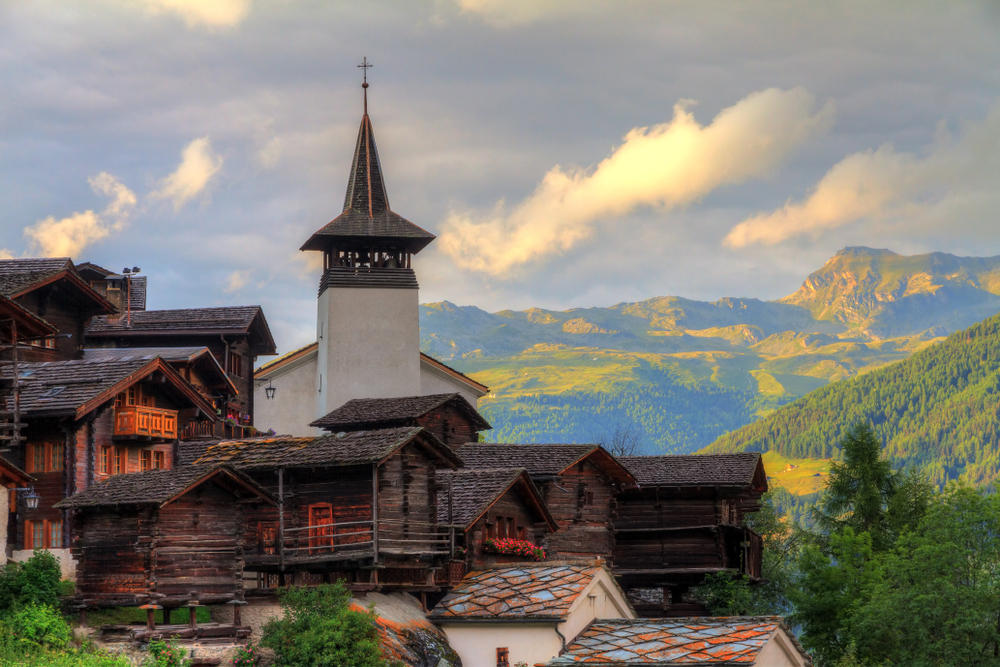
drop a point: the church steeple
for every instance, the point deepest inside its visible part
(367, 226)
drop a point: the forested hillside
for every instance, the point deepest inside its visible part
(938, 410)
(678, 373)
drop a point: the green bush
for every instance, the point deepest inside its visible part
(247, 656)
(34, 582)
(320, 629)
(35, 627)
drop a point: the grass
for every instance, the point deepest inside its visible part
(797, 476)
(129, 615)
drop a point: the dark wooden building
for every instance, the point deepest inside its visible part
(685, 520)
(52, 289)
(125, 292)
(89, 420)
(163, 536)
(580, 485)
(448, 416)
(236, 336)
(483, 504)
(359, 506)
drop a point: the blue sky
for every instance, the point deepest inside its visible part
(566, 153)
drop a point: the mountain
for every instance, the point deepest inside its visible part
(938, 411)
(678, 373)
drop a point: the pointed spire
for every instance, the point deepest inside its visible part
(367, 221)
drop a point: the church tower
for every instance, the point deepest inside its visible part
(367, 326)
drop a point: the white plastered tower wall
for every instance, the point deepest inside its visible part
(369, 345)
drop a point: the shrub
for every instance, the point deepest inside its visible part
(165, 654)
(34, 582)
(320, 629)
(33, 627)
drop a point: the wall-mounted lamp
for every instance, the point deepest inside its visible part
(269, 390)
(29, 497)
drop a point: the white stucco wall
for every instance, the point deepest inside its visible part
(780, 652)
(294, 402)
(433, 381)
(477, 643)
(67, 564)
(602, 599)
(369, 345)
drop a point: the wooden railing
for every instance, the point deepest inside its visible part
(195, 430)
(137, 420)
(355, 539)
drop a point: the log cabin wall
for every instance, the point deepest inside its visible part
(63, 310)
(406, 500)
(113, 563)
(197, 546)
(108, 449)
(451, 425)
(43, 456)
(583, 503)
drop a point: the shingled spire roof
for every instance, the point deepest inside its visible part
(367, 220)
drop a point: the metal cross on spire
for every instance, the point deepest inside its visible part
(364, 79)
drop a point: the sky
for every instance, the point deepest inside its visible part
(565, 154)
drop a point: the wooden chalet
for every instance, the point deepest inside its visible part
(20, 330)
(447, 416)
(126, 292)
(236, 336)
(52, 289)
(199, 367)
(484, 504)
(162, 536)
(686, 520)
(89, 420)
(580, 485)
(359, 506)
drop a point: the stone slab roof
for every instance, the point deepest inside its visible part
(393, 411)
(353, 448)
(523, 591)
(152, 487)
(694, 469)
(671, 641)
(125, 353)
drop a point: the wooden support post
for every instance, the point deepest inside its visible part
(281, 520)
(375, 511)
(193, 614)
(150, 615)
(237, 605)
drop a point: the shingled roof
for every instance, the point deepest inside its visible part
(523, 591)
(158, 487)
(189, 321)
(173, 355)
(542, 461)
(468, 494)
(354, 448)
(29, 325)
(367, 218)
(76, 387)
(741, 469)
(20, 276)
(365, 412)
(674, 641)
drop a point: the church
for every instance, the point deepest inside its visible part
(367, 320)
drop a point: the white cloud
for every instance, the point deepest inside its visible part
(886, 184)
(67, 237)
(236, 281)
(506, 13)
(205, 13)
(663, 166)
(198, 165)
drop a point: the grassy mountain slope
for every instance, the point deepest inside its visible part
(938, 410)
(682, 372)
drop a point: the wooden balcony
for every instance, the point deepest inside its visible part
(135, 421)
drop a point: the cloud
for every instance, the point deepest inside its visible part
(68, 236)
(884, 184)
(507, 13)
(198, 165)
(236, 281)
(663, 166)
(205, 13)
